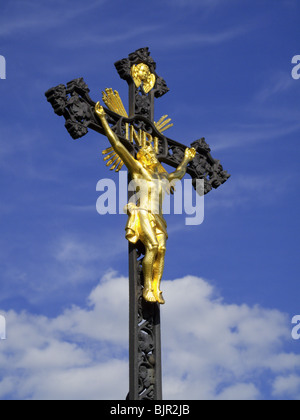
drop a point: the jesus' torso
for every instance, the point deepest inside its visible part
(151, 187)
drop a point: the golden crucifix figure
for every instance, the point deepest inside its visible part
(144, 223)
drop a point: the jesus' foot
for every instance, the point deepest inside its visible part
(149, 295)
(159, 297)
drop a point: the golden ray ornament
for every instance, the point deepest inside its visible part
(114, 102)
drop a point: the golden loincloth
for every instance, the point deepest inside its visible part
(133, 226)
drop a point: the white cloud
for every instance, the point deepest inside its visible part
(211, 350)
(240, 391)
(77, 355)
(79, 260)
(288, 386)
(213, 346)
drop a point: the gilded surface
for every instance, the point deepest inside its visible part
(142, 75)
(146, 221)
(113, 101)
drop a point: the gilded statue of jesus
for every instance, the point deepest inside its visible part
(144, 223)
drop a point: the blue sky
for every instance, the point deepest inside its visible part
(232, 282)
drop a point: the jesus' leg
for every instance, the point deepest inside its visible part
(158, 268)
(148, 238)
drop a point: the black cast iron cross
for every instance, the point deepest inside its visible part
(74, 103)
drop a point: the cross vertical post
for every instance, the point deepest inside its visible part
(145, 369)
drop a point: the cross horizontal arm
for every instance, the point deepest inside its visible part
(75, 105)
